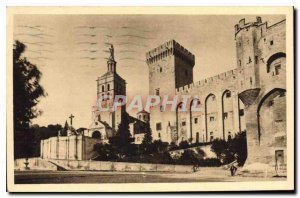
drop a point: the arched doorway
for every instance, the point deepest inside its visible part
(271, 114)
(96, 134)
(211, 115)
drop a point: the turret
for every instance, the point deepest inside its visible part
(248, 54)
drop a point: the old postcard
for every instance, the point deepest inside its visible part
(150, 99)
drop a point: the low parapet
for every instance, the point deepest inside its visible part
(208, 81)
(167, 49)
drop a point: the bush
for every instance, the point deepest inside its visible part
(233, 149)
(184, 145)
(209, 162)
(173, 146)
(106, 152)
(189, 157)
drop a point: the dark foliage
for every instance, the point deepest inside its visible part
(233, 149)
(146, 147)
(184, 145)
(106, 152)
(26, 94)
(122, 141)
(34, 135)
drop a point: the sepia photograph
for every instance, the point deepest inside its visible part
(141, 99)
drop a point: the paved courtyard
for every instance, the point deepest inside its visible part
(203, 175)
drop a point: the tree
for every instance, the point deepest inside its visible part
(219, 147)
(26, 94)
(122, 140)
(148, 135)
(105, 151)
(147, 140)
(65, 129)
(173, 146)
(183, 145)
(238, 145)
(159, 146)
(227, 151)
(189, 157)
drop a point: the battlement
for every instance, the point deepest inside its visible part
(167, 49)
(214, 79)
(242, 24)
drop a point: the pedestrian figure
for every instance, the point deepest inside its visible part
(233, 169)
(195, 167)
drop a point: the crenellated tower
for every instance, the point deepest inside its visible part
(247, 36)
(170, 67)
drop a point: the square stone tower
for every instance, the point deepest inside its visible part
(170, 67)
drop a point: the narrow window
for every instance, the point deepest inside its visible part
(102, 88)
(108, 87)
(256, 59)
(240, 62)
(159, 135)
(225, 115)
(228, 94)
(250, 59)
(250, 80)
(195, 120)
(229, 135)
(271, 42)
(158, 126)
(183, 123)
(157, 91)
(241, 112)
(277, 68)
(160, 69)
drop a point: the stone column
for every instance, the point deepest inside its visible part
(219, 116)
(236, 113)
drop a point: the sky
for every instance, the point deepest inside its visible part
(71, 52)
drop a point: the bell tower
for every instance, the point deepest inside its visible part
(109, 85)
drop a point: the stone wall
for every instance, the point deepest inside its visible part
(120, 166)
(34, 164)
(68, 147)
